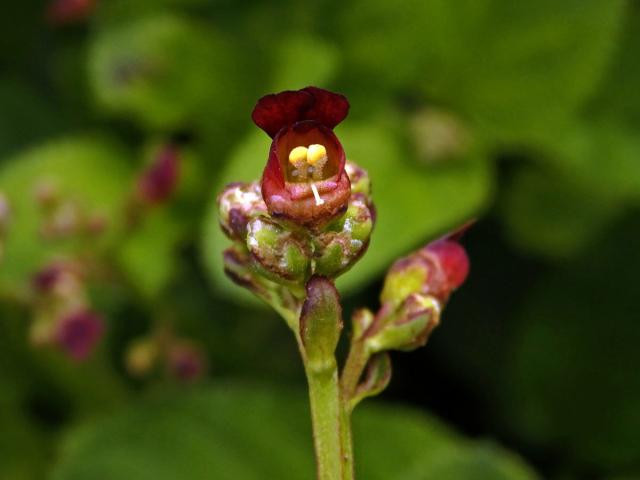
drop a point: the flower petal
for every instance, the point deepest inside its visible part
(278, 110)
(328, 108)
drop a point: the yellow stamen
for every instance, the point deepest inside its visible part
(297, 155)
(298, 159)
(317, 159)
(315, 154)
(314, 189)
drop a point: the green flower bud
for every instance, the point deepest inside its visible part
(237, 204)
(408, 327)
(345, 240)
(281, 255)
(361, 320)
(375, 378)
(359, 178)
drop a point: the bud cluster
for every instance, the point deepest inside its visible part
(64, 217)
(179, 358)
(63, 315)
(416, 289)
(289, 254)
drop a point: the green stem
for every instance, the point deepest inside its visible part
(326, 415)
(352, 371)
(346, 441)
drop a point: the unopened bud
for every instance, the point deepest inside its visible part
(408, 327)
(278, 253)
(141, 356)
(158, 182)
(359, 178)
(64, 12)
(361, 320)
(437, 270)
(343, 241)
(185, 361)
(237, 204)
(77, 333)
(375, 379)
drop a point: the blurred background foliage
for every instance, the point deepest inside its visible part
(120, 120)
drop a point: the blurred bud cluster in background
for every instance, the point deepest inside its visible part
(124, 347)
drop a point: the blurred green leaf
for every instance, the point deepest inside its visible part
(92, 173)
(27, 116)
(163, 70)
(518, 69)
(553, 214)
(571, 383)
(302, 61)
(148, 256)
(255, 433)
(414, 203)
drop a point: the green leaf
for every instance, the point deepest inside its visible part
(553, 214)
(579, 326)
(242, 433)
(148, 256)
(518, 69)
(91, 172)
(163, 71)
(302, 61)
(414, 203)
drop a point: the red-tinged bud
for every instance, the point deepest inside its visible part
(158, 182)
(304, 180)
(78, 333)
(452, 261)
(64, 12)
(436, 270)
(45, 280)
(63, 279)
(186, 362)
(406, 328)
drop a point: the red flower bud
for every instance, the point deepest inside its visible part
(62, 12)
(186, 362)
(77, 333)
(158, 182)
(304, 180)
(437, 269)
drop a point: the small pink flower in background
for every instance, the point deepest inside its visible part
(185, 361)
(77, 333)
(158, 182)
(64, 12)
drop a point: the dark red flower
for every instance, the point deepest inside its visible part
(77, 333)
(158, 182)
(304, 180)
(62, 12)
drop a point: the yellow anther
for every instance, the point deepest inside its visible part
(316, 154)
(297, 156)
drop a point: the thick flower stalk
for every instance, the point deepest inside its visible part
(308, 221)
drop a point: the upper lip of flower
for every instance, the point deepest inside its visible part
(304, 179)
(278, 110)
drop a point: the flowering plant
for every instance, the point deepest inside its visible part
(309, 220)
